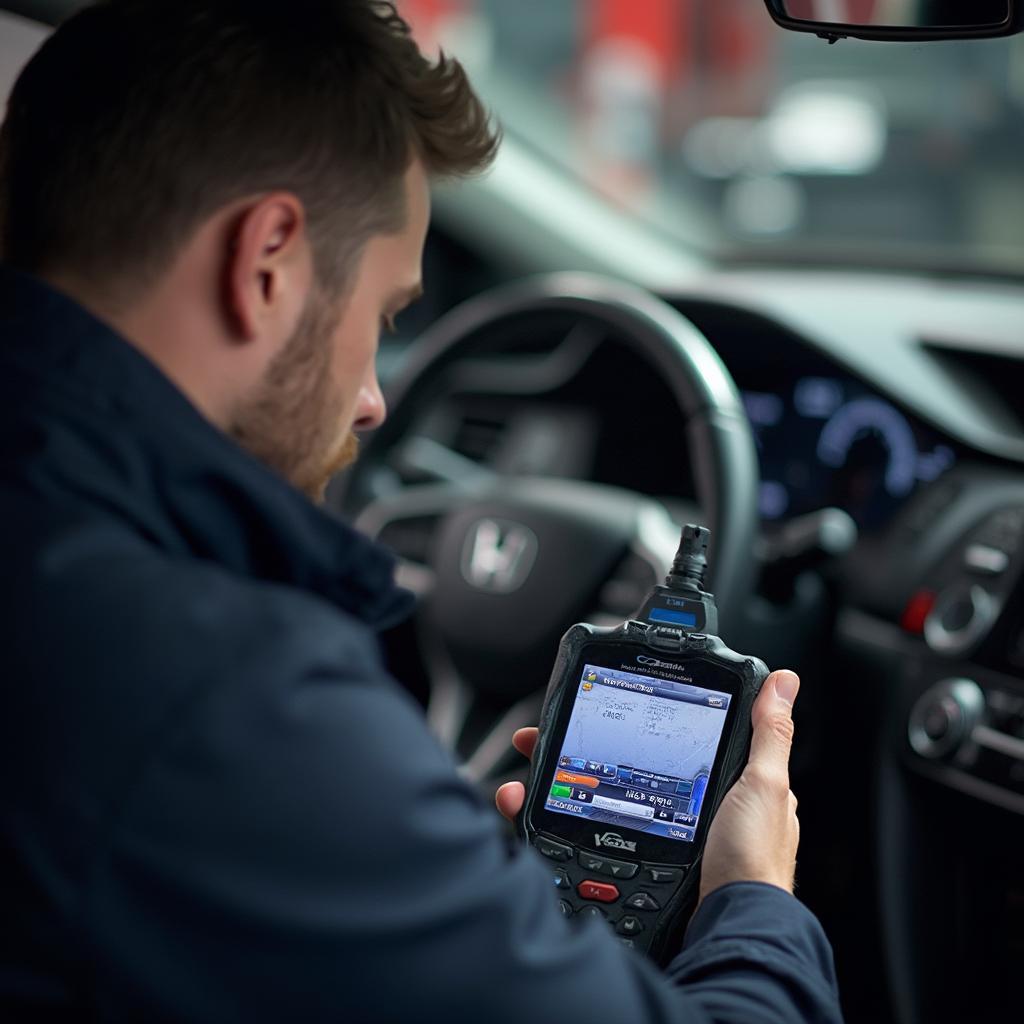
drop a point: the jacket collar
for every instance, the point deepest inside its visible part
(122, 437)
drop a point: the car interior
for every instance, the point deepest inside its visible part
(759, 265)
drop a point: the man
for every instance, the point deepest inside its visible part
(207, 211)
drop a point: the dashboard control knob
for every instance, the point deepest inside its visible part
(944, 716)
(962, 616)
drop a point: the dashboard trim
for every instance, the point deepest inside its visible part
(969, 785)
(877, 329)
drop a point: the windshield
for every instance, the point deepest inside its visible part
(739, 138)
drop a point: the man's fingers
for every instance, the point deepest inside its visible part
(524, 740)
(772, 717)
(509, 798)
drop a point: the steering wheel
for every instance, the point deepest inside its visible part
(504, 563)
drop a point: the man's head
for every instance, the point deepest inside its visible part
(241, 187)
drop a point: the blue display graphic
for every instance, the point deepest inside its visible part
(676, 618)
(638, 752)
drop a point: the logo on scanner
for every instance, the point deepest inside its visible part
(644, 660)
(614, 840)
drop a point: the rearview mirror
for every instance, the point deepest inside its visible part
(899, 19)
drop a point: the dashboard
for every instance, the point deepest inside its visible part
(865, 390)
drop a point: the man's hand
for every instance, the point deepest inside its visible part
(755, 833)
(510, 797)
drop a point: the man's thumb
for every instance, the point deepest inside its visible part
(772, 718)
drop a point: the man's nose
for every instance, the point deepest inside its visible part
(371, 409)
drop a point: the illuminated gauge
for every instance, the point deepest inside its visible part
(870, 434)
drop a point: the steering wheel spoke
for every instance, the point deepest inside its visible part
(433, 462)
(407, 520)
(484, 756)
(490, 758)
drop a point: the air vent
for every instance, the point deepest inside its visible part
(478, 436)
(995, 380)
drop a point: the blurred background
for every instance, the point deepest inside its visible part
(741, 140)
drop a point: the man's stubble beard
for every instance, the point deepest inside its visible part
(290, 422)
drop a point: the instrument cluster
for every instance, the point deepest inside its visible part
(826, 440)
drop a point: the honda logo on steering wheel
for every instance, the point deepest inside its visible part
(497, 556)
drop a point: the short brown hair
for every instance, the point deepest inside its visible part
(137, 119)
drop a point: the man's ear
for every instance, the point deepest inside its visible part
(268, 268)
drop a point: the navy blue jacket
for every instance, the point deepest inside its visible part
(196, 732)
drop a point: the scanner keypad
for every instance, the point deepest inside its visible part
(625, 894)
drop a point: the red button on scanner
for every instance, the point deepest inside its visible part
(602, 891)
